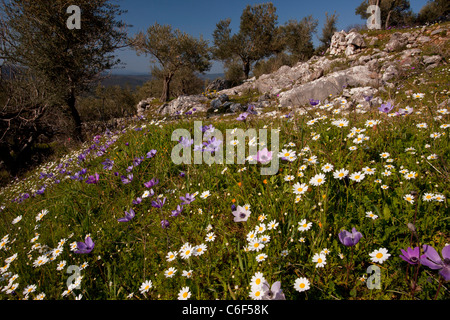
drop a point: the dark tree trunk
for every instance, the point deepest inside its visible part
(386, 26)
(165, 96)
(246, 68)
(71, 101)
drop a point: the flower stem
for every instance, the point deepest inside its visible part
(438, 289)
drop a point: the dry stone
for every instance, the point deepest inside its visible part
(182, 104)
(334, 84)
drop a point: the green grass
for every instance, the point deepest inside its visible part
(127, 254)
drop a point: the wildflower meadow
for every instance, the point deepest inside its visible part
(358, 209)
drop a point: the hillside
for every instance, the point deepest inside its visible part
(338, 189)
(133, 80)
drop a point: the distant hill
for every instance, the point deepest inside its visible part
(134, 80)
(123, 80)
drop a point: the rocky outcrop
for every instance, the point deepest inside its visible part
(142, 106)
(184, 104)
(348, 44)
(218, 85)
(353, 65)
(332, 84)
(285, 77)
(397, 42)
(222, 104)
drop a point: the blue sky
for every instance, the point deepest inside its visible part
(199, 17)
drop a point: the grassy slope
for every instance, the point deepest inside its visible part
(126, 254)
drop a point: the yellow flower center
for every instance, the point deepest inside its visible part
(258, 281)
(302, 285)
(185, 294)
(379, 255)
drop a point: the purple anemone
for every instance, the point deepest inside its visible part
(412, 256)
(432, 260)
(128, 216)
(85, 247)
(349, 239)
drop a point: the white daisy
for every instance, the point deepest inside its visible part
(257, 279)
(171, 256)
(146, 286)
(357, 176)
(169, 273)
(210, 237)
(261, 257)
(184, 293)
(380, 255)
(317, 180)
(327, 167)
(300, 188)
(370, 214)
(409, 198)
(319, 259)
(304, 225)
(301, 284)
(340, 174)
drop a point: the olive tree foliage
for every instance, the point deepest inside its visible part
(433, 11)
(296, 37)
(253, 41)
(393, 12)
(328, 30)
(29, 114)
(172, 52)
(293, 42)
(66, 60)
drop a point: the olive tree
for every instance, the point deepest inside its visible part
(173, 51)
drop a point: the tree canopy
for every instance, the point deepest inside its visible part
(66, 60)
(393, 12)
(253, 42)
(173, 51)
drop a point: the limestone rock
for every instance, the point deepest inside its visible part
(358, 94)
(334, 84)
(218, 85)
(423, 39)
(389, 73)
(182, 104)
(432, 59)
(355, 39)
(397, 42)
(142, 106)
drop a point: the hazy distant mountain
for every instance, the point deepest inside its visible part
(134, 80)
(123, 80)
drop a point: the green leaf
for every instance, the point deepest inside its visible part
(241, 265)
(386, 212)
